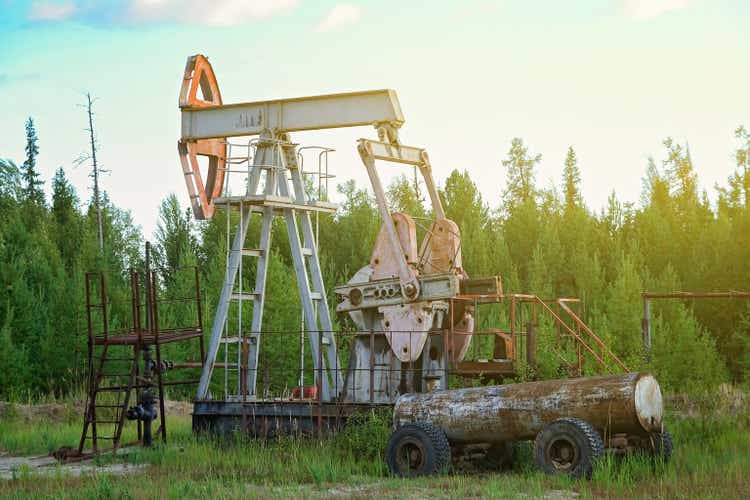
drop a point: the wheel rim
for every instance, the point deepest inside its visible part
(410, 457)
(562, 453)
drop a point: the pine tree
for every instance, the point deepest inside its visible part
(175, 238)
(520, 174)
(67, 224)
(681, 175)
(32, 183)
(572, 180)
(10, 180)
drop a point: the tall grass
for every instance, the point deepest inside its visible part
(710, 461)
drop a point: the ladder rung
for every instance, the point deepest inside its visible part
(316, 295)
(307, 251)
(114, 388)
(243, 296)
(229, 340)
(252, 252)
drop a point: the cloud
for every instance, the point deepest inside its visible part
(340, 15)
(139, 12)
(51, 11)
(202, 12)
(649, 9)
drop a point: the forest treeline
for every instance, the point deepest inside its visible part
(542, 240)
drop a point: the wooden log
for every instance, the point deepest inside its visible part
(630, 403)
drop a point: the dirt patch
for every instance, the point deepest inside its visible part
(53, 412)
(71, 411)
(12, 467)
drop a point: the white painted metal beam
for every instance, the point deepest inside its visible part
(288, 115)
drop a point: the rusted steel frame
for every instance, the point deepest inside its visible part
(199, 307)
(588, 330)
(89, 389)
(522, 297)
(157, 345)
(573, 333)
(103, 295)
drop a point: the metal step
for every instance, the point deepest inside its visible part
(252, 252)
(243, 296)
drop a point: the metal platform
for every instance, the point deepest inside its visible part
(147, 338)
(269, 419)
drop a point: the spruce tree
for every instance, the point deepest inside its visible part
(32, 188)
(66, 219)
(520, 174)
(572, 180)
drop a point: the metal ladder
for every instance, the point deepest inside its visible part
(274, 156)
(112, 411)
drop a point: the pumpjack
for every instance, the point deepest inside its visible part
(413, 305)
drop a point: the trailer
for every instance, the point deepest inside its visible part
(572, 422)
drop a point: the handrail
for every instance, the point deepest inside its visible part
(578, 338)
(601, 344)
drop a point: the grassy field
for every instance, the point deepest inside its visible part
(711, 461)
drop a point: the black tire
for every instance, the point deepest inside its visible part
(418, 449)
(568, 446)
(661, 446)
(501, 456)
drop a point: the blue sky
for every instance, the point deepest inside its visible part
(612, 78)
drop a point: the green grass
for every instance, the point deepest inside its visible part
(710, 461)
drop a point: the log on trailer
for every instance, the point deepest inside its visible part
(630, 403)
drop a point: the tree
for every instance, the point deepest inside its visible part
(96, 169)
(10, 180)
(32, 188)
(402, 197)
(572, 180)
(520, 174)
(175, 239)
(737, 195)
(67, 230)
(463, 204)
(681, 175)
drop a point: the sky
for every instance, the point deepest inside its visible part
(612, 78)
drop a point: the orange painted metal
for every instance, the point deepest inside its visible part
(199, 76)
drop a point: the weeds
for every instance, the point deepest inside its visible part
(710, 461)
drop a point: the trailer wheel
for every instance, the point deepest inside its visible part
(501, 456)
(417, 449)
(661, 445)
(568, 446)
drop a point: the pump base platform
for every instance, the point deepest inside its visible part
(269, 419)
